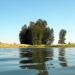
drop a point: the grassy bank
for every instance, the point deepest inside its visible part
(34, 46)
(13, 45)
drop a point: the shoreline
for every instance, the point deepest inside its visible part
(34, 46)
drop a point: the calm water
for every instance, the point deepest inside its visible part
(37, 61)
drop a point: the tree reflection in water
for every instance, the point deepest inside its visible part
(35, 58)
(62, 58)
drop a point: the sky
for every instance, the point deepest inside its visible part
(59, 14)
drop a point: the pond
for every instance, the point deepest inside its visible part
(37, 61)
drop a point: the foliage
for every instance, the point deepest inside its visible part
(36, 33)
(62, 36)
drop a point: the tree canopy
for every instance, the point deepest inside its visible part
(62, 36)
(36, 33)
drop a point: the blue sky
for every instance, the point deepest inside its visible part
(15, 13)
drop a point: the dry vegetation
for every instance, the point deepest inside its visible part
(13, 45)
(5, 45)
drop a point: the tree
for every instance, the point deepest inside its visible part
(28, 36)
(40, 27)
(22, 34)
(36, 33)
(51, 36)
(62, 36)
(48, 36)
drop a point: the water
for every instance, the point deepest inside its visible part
(37, 61)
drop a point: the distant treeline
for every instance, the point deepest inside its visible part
(38, 32)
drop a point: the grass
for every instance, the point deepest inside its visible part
(5, 45)
(13, 45)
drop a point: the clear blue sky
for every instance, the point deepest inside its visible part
(15, 13)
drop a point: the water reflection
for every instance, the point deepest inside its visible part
(35, 58)
(62, 57)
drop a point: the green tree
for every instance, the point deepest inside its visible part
(22, 34)
(28, 36)
(62, 36)
(40, 27)
(51, 36)
(48, 36)
(36, 33)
